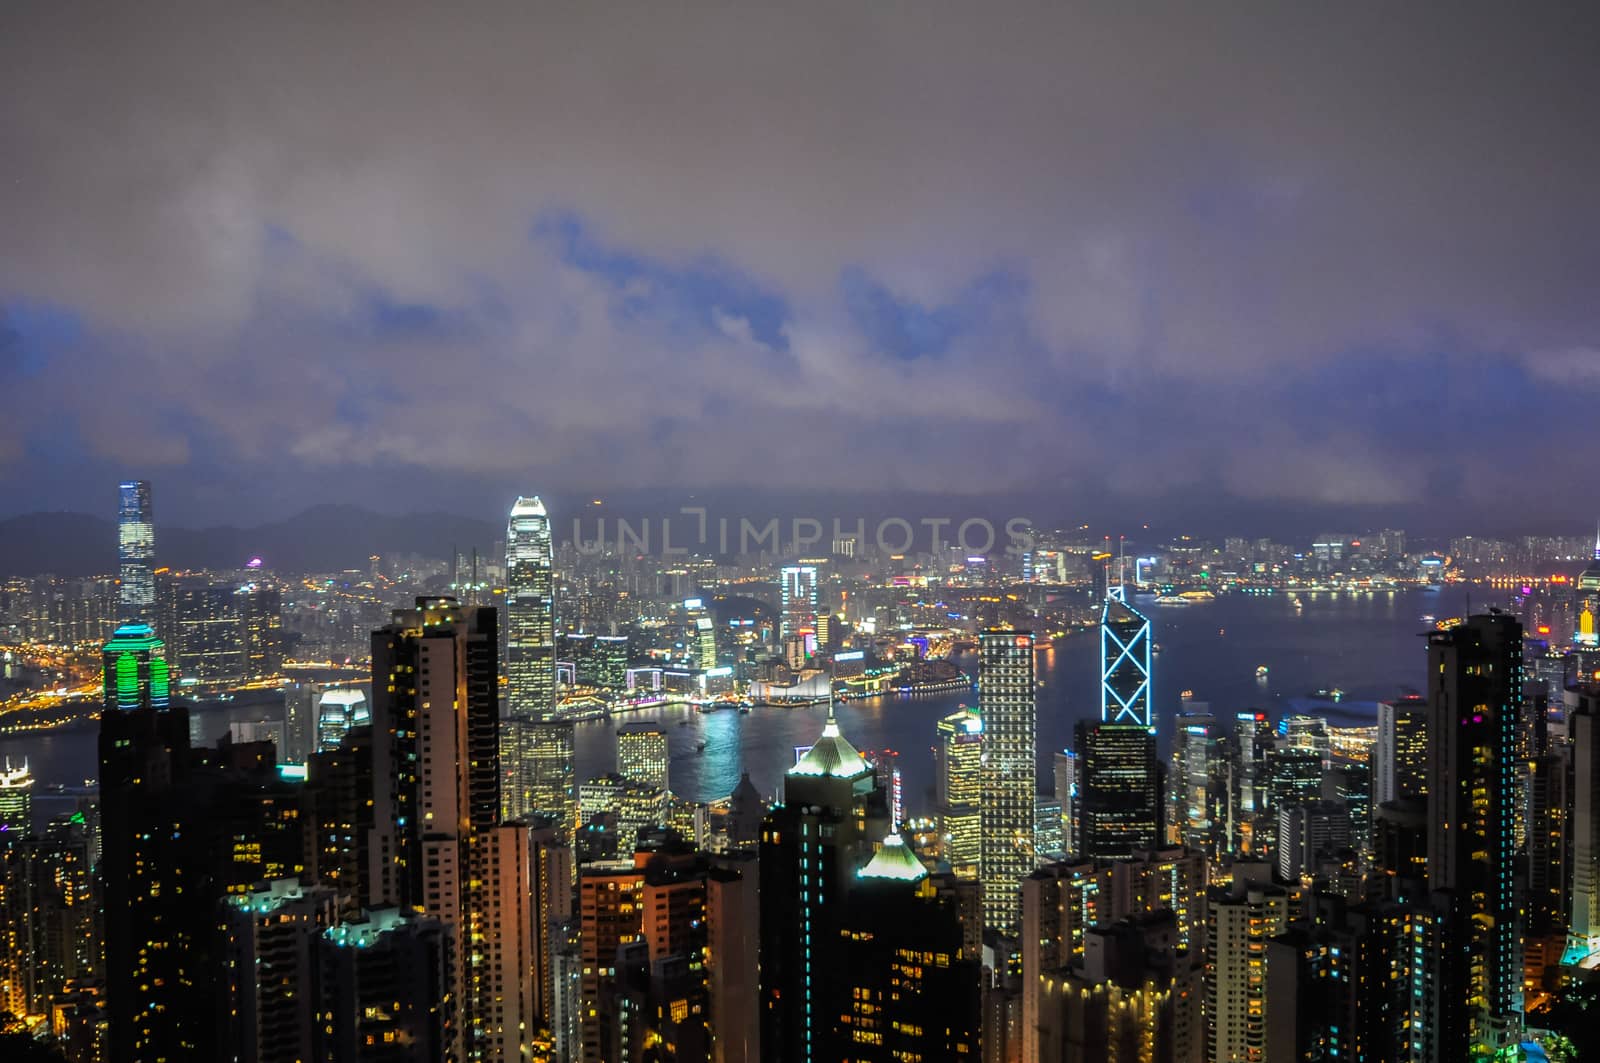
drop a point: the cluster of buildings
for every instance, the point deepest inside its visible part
(409, 868)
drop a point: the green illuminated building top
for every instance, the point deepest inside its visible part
(135, 669)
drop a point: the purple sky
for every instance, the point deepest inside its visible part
(289, 254)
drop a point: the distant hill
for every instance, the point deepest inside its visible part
(321, 539)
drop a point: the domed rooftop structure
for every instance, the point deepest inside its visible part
(832, 757)
(894, 862)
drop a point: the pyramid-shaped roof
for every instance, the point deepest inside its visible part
(832, 756)
(895, 862)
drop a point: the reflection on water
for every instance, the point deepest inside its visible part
(1367, 645)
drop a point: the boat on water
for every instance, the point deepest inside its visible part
(701, 748)
(1428, 618)
(1261, 671)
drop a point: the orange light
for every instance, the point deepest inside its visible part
(1544, 629)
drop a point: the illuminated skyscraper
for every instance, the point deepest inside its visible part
(438, 846)
(1586, 626)
(1400, 755)
(16, 799)
(705, 644)
(642, 755)
(1007, 704)
(1475, 707)
(798, 611)
(1120, 796)
(1124, 665)
(530, 612)
(136, 552)
(958, 788)
(1583, 922)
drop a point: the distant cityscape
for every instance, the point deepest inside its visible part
(395, 857)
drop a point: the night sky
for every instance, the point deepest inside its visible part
(418, 259)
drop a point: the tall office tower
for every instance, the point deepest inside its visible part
(1583, 911)
(1068, 770)
(1132, 995)
(530, 612)
(16, 799)
(797, 595)
(733, 958)
(271, 1011)
(958, 788)
(1120, 807)
(1252, 737)
(1120, 803)
(435, 844)
(383, 989)
(811, 846)
(47, 916)
(1307, 830)
(1586, 589)
(642, 754)
(906, 989)
(539, 775)
(338, 712)
(1125, 675)
(136, 552)
(179, 828)
(1240, 920)
(1199, 783)
(1400, 755)
(705, 643)
(1475, 705)
(1006, 701)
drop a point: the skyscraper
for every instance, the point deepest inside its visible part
(438, 847)
(1474, 709)
(811, 845)
(958, 788)
(136, 552)
(1124, 665)
(530, 612)
(1240, 921)
(1120, 794)
(1583, 922)
(180, 828)
(1400, 755)
(1006, 702)
(16, 799)
(642, 754)
(1586, 614)
(798, 601)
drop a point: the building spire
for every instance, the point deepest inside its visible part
(1597, 540)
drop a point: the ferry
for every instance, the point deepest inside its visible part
(1261, 671)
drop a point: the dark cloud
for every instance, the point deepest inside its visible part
(1287, 253)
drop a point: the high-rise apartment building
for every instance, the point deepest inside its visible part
(136, 552)
(437, 845)
(1007, 704)
(1240, 922)
(1475, 708)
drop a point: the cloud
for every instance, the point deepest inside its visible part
(641, 246)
